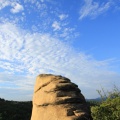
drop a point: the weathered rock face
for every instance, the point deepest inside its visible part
(57, 98)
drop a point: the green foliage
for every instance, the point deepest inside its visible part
(109, 109)
(12, 110)
(93, 103)
(0, 116)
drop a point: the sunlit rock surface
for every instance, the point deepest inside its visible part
(57, 98)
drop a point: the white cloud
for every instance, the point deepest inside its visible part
(56, 25)
(16, 8)
(29, 54)
(93, 9)
(63, 16)
(41, 20)
(4, 3)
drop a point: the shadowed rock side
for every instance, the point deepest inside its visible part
(57, 98)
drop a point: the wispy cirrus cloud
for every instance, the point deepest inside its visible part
(30, 47)
(94, 9)
(27, 54)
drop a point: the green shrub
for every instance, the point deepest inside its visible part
(109, 109)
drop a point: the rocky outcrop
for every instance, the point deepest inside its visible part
(57, 98)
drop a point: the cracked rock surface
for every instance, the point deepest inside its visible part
(57, 98)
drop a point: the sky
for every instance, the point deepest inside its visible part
(78, 39)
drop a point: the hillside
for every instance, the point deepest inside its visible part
(13, 110)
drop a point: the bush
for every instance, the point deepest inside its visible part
(109, 109)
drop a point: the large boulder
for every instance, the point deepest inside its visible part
(57, 98)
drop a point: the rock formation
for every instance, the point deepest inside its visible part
(57, 98)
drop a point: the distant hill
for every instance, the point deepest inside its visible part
(96, 99)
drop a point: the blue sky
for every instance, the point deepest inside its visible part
(78, 39)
